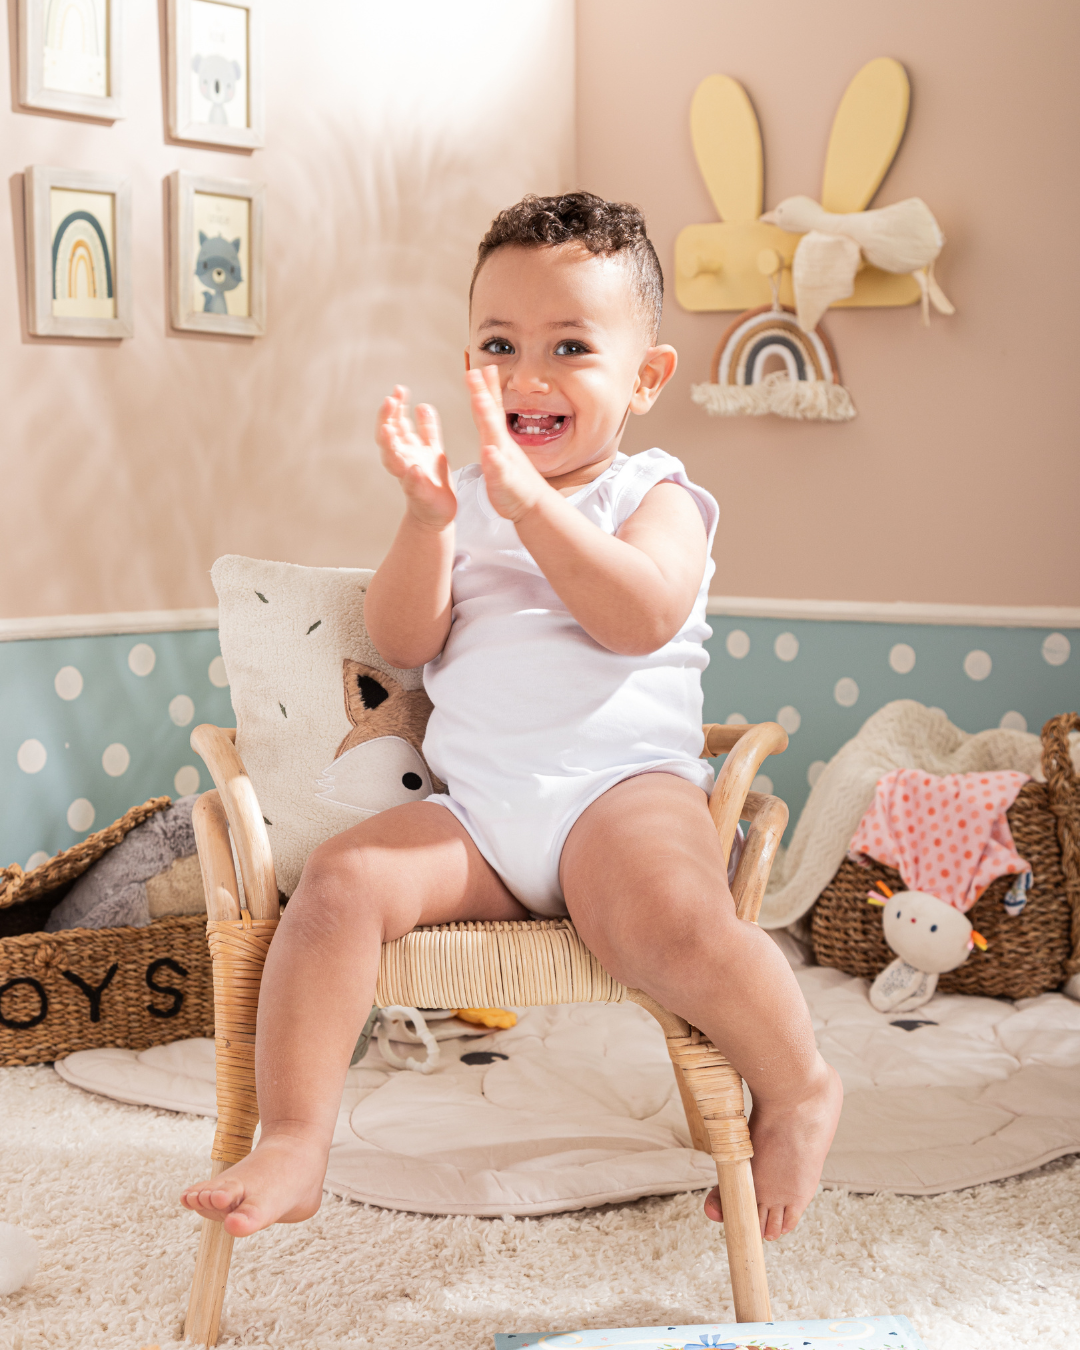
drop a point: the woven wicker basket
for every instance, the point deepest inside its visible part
(1027, 953)
(83, 988)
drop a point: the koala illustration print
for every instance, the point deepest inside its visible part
(218, 48)
(379, 763)
(218, 77)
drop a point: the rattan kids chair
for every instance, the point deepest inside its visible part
(474, 965)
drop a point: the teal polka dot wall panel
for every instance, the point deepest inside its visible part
(822, 680)
(93, 725)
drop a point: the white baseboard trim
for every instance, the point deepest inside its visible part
(99, 625)
(897, 611)
(729, 606)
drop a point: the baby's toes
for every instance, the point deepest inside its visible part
(773, 1222)
(713, 1209)
(213, 1199)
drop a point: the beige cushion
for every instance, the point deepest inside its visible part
(329, 732)
(177, 890)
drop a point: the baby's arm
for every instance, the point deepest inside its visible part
(407, 608)
(631, 592)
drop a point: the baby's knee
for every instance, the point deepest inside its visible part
(337, 878)
(661, 940)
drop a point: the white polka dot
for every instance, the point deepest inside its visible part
(786, 646)
(36, 860)
(846, 692)
(735, 720)
(737, 643)
(815, 771)
(1014, 721)
(181, 710)
(115, 760)
(902, 658)
(762, 783)
(789, 719)
(1056, 649)
(141, 659)
(31, 756)
(218, 677)
(186, 780)
(977, 665)
(80, 814)
(68, 683)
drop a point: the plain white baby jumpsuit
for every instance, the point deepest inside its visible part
(532, 718)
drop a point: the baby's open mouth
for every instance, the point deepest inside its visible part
(536, 428)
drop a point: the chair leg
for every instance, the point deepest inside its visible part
(712, 1097)
(238, 947)
(211, 1277)
(745, 1249)
(717, 1094)
(699, 1135)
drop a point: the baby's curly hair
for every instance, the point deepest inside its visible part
(608, 229)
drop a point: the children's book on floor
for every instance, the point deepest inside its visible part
(849, 1333)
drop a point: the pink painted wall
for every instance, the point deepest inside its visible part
(958, 481)
(394, 134)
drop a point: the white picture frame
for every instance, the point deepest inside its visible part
(215, 72)
(70, 57)
(78, 253)
(217, 275)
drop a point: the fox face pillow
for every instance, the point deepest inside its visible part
(328, 731)
(379, 763)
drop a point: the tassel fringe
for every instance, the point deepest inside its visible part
(804, 400)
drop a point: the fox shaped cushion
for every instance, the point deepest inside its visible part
(328, 731)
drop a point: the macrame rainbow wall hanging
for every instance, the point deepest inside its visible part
(805, 386)
(810, 254)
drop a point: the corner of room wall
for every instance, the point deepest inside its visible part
(134, 464)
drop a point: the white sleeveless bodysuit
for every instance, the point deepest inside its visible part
(532, 718)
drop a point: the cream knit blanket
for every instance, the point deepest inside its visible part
(902, 735)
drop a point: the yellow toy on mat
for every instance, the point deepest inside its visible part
(488, 1017)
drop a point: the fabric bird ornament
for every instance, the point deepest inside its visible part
(904, 238)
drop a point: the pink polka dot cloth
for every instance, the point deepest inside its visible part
(945, 836)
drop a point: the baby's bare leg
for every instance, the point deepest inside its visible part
(645, 884)
(407, 866)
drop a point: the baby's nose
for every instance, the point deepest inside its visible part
(524, 380)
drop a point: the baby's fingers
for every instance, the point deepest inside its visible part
(427, 424)
(487, 412)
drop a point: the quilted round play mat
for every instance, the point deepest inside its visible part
(576, 1106)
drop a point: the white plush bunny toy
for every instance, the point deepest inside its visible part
(948, 838)
(929, 938)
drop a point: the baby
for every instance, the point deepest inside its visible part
(555, 594)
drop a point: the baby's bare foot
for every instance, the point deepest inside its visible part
(791, 1141)
(280, 1182)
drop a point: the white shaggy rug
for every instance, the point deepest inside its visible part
(95, 1182)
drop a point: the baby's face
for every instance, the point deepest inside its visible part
(573, 353)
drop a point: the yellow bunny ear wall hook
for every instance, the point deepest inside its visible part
(808, 255)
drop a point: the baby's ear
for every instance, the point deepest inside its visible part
(365, 689)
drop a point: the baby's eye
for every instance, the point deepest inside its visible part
(571, 348)
(498, 347)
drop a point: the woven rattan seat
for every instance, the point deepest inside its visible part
(473, 965)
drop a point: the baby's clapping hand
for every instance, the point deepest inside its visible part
(414, 455)
(514, 485)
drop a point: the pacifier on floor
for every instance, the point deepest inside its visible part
(929, 938)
